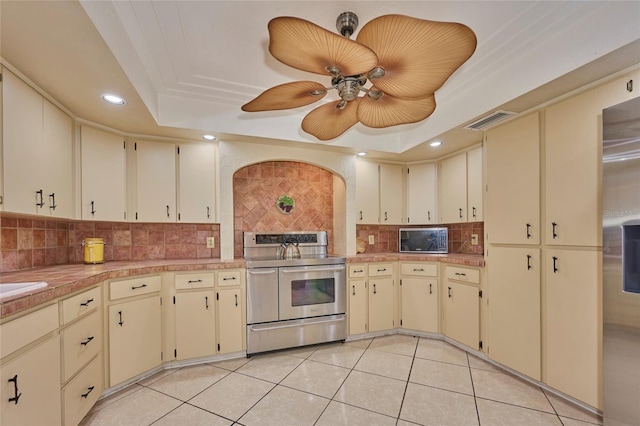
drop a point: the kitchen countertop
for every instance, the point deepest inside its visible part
(66, 279)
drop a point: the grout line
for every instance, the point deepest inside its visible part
(406, 385)
(473, 388)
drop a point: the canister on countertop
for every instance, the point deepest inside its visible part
(93, 250)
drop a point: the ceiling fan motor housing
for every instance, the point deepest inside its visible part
(347, 23)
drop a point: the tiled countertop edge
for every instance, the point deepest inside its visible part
(66, 279)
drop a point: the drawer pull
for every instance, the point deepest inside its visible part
(462, 274)
(17, 396)
(382, 270)
(358, 271)
(120, 322)
(206, 302)
(135, 287)
(418, 270)
(86, 342)
(228, 278)
(194, 281)
(87, 302)
(89, 390)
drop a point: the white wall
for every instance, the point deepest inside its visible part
(235, 155)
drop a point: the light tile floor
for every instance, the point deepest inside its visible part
(390, 380)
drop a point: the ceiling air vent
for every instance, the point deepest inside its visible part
(489, 120)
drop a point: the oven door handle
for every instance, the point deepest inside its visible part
(277, 326)
(310, 269)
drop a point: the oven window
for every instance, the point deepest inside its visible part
(313, 292)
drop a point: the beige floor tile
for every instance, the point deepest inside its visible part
(231, 364)
(122, 393)
(144, 408)
(566, 421)
(285, 407)
(360, 343)
(504, 387)
(441, 375)
(429, 406)
(498, 414)
(480, 364)
(343, 356)
(397, 344)
(270, 367)
(304, 352)
(385, 364)
(157, 376)
(566, 409)
(338, 413)
(375, 393)
(317, 378)
(192, 416)
(232, 396)
(187, 382)
(438, 350)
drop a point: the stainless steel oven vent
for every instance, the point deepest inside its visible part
(489, 120)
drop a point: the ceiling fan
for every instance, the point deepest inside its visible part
(404, 59)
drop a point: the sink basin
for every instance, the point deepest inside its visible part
(15, 289)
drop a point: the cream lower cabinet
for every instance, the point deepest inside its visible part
(514, 309)
(461, 305)
(573, 332)
(419, 296)
(230, 323)
(358, 306)
(382, 298)
(134, 324)
(195, 324)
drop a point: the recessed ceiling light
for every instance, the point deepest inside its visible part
(361, 154)
(113, 99)
(435, 143)
(209, 137)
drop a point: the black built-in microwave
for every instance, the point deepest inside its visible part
(424, 240)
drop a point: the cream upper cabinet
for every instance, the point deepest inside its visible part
(196, 183)
(104, 166)
(514, 308)
(452, 189)
(512, 208)
(475, 188)
(391, 194)
(421, 194)
(573, 334)
(37, 152)
(156, 181)
(367, 192)
(573, 145)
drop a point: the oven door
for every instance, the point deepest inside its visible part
(311, 291)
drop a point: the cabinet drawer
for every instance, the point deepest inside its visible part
(78, 305)
(357, 271)
(380, 270)
(134, 287)
(420, 269)
(228, 278)
(82, 392)
(463, 274)
(187, 281)
(28, 328)
(80, 343)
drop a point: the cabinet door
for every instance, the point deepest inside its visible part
(573, 166)
(22, 146)
(358, 307)
(38, 383)
(419, 300)
(513, 182)
(391, 194)
(135, 344)
(156, 182)
(475, 188)
(195, 324)
(367, 192)
(514, 308)
(57, 174)
(196, 183)
(462, 313)
(103, 175)
(381, 303)
(452, 189)
(230, 323)
(421, 194)
(573, 326)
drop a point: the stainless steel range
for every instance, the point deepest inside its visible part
(293, 301)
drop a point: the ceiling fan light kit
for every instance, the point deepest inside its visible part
(396, 61)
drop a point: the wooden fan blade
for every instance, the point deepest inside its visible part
(308, 47)
(418, 56)
(286, 96)
(391, 111)
(328, 122)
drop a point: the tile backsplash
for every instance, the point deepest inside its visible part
(28, 242)
(386, 237)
